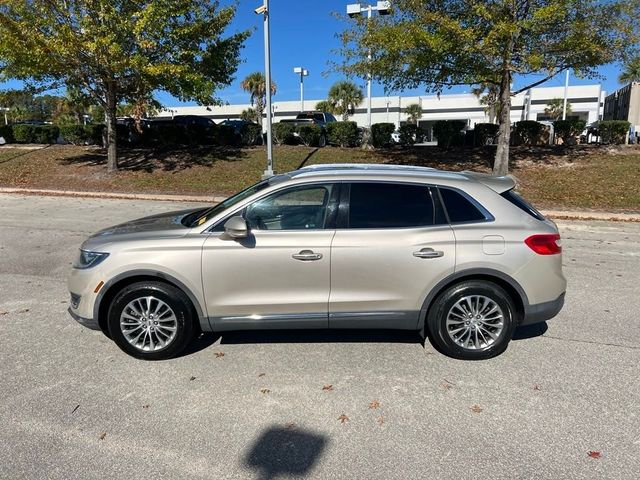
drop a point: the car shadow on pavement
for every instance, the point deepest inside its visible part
(205, 340)
(530, 331)
(320, 336)
(285, 451)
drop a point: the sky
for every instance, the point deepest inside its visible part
(303, 33)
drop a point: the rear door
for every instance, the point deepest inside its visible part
(390, 249)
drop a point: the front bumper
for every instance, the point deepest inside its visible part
(541, 312)
(86, 322)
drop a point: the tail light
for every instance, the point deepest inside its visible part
(544, 244)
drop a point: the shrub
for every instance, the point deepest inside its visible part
(485, 133)
(613, 131)
(283, 133)
(449, 132)
(224, 135)
(35, 133)
(567, 130)
(410, 134)
(381, 134)
(74, 134)
(95, 133)
(310, 134)
(529, 132)
(6, 132)
(251, 134)
(344, 134)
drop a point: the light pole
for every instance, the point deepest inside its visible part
(5, 110)
(303, 72)
(566, 92)
(383, 8)
(264, 11)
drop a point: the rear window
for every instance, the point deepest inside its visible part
(459, 208)
(387, 205)
(522, 204)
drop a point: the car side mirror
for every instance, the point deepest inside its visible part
(236, 227)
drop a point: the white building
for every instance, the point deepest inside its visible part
(529, 105)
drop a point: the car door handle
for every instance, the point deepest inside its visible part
(307, 255)
(428, 253)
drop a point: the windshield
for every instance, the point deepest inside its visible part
(201, 216)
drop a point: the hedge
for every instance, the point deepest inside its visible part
(568, 129)
(23, 133)
(485, 133)
(6, 132)
(529, 132)
(613, 131)
(224, 135)
(410, 134)
(283, 133)
(449, 132)
(344, 134)
(381, 134)
(251, 134)
(310, 134)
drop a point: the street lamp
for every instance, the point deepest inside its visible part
(5, 110)
(303, 72)
(354, 9)
(264, 11)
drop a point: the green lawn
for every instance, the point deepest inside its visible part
(584, 178)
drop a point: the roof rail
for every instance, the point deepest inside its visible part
(364, 166)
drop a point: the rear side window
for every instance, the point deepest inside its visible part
(522, 204)
(387, 205)
(459, 208)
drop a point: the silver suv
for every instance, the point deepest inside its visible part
(459, 257)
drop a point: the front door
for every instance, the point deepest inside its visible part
(279, 276)
(390, 249)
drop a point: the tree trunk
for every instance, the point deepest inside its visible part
(501, 162)
(112, 139)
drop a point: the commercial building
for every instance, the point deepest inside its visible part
(586, 102)
(624, 104)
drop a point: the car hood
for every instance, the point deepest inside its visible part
(161, 225)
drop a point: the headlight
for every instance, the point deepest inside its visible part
(88, 259)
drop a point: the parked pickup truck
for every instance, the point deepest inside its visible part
(314, 117)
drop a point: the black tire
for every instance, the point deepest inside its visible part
(171, 296)
(437, 316)
(322, 141)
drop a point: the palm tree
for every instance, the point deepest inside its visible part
(630, 71)
(414, 113)
(249, 115)
(488, 93)
(325, 106)
(554, 108)
(256, 85)
(345, 96)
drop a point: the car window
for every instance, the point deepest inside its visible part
(522, 204)
(459, 208)
(388, 205)
(298, 208)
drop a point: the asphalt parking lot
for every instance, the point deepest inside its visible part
(338, 405)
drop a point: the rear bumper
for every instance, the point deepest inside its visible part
(86, 322)
(542, 311)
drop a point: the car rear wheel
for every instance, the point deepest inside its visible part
(472, 320)
(322, 141)
(151, 320)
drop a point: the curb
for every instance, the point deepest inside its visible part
(554, 214)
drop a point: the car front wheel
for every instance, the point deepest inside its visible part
(151, 320)
(472, 320)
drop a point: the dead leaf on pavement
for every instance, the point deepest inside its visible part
(476, 409)
(380, 419)
(264, 391)
(261, 375)
(219, 354)
(446, 386)
(3, 313)
(25, 310)
(102, 435)
(328, 388)
(75, 408)
(192, 378)
(536, 387)
(289, 426)
(343, 418)
(375, 404)
(145, 406)
(594, 454)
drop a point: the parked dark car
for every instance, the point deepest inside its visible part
(313, 118)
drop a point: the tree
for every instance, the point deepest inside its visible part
(120, 51)
(414, 113)
(249, 115)
(554, 108)
(345, 96)
(488, 94)
(441, 43)
(256, 85)
(630, 71)
(325, 106)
